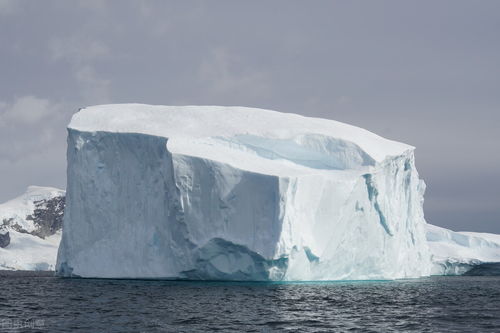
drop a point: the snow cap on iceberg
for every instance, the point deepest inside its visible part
(195, 123)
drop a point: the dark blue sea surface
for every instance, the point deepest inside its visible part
(30, 303)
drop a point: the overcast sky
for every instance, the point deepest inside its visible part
(423, 72)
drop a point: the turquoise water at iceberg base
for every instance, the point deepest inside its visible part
(34, 303)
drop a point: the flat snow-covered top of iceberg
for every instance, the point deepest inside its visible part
(198, 129)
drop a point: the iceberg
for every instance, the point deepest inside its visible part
(236, 193)
(456, 253)
(30, 232)
(30, 229)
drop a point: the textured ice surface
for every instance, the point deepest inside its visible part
(33, 221)
(455, 253)
(236, 193)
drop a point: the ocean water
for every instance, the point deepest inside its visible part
(31, 303)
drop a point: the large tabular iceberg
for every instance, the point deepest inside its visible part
(234, 193)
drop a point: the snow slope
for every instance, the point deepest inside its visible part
(33, 223)
(234, 193)
(455, 253)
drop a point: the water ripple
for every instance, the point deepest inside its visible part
(444, 304)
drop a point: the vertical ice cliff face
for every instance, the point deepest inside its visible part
(367, 226)
(123, 216)
(231, 193)
(30, 229)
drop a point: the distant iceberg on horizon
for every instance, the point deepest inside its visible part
(235, 193)
(456, 253)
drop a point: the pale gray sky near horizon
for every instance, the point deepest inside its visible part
(426, 73)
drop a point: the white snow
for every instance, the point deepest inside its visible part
(455, 253)
(30, 253)
(234, 193)
(26, 251)
(186, 124)
(19, 208)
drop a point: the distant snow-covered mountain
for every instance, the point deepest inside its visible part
(30, 229)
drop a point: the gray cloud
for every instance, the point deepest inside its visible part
(426, 73)
(7, 7)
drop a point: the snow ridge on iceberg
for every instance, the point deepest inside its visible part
(236, 193)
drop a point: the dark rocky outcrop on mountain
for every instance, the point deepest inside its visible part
(47, 216)
(4, 239)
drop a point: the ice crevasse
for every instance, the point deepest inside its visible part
(236, 193)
